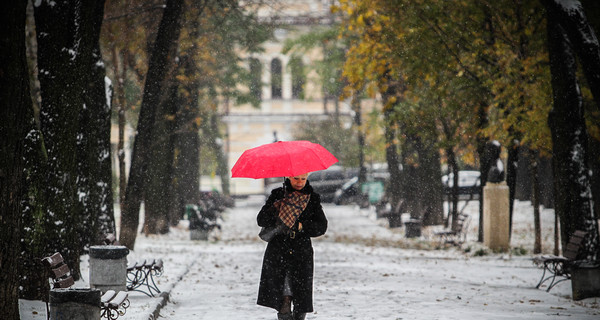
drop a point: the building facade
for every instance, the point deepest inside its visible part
(288, 93)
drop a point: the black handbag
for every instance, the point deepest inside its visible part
(268, 233)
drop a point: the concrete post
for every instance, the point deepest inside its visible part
(198, 234)
(496, 216)
(74, 304)
(108, 267)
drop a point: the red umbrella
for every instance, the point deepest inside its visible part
(282, 159)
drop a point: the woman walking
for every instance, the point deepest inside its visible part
(287, 270)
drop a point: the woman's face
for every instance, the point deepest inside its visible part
(298, 182)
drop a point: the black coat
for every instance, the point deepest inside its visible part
(284, 254)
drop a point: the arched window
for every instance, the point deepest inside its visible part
(276, 79)
(255, 78)
(298, 78)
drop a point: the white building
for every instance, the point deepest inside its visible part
(283, 100)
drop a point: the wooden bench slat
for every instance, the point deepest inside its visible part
(60, 271)
(118, 300)
(158, 265)
(53, 261)
(136, 265)
(149, 263)
(107, 296)
(64, 283)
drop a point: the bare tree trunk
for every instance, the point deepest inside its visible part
(187, 143)
(356, 107)
(511, 179)
(453, 196)
(16, 117)
(569, 150)
(160, 169)
(161, 60)
(535, 192)
(395, 89)
(484, 168)
(580, 34)
(120, 104)
(222, 166)
(67, 37)
(94, 154)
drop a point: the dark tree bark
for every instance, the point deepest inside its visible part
(357, 109)
(535, 200)
(59, 62)
(33, 284)
(161, 60)
(581, 37)
(511, 179)
(422, 181)
(453, 196)
(594, 161)
(160, 170)
(75, 123)
(186, 163)
(569, 150)
(94, 159)
(483, 169)
(393, 191)
(16, 118)
(394, 90)
(214, 135)
(592, 11)
(482, 178)
(431, 194)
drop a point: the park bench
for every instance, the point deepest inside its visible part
(140, 274)
(458, 235)
(112, 304)
(560, 267)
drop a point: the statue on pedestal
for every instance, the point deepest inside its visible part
(496, 172)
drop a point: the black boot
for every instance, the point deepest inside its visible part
(299, 315)
(285, 316)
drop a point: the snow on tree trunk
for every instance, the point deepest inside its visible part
(566, 121)
(94, 160)
(59, 37)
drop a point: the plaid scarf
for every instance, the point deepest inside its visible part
(292, 206)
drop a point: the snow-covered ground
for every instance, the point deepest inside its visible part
(363, 270)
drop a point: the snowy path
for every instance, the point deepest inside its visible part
(354, 280)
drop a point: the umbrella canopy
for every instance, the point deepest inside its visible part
(282, 159)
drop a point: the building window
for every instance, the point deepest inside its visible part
(298, 78)
(255, 78)
(276, 79)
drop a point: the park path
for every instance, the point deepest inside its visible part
(361, 272)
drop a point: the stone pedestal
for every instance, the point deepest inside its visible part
(413, 228)
(74, 304)
(198, 234)
(496, 216)
(108, 267)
